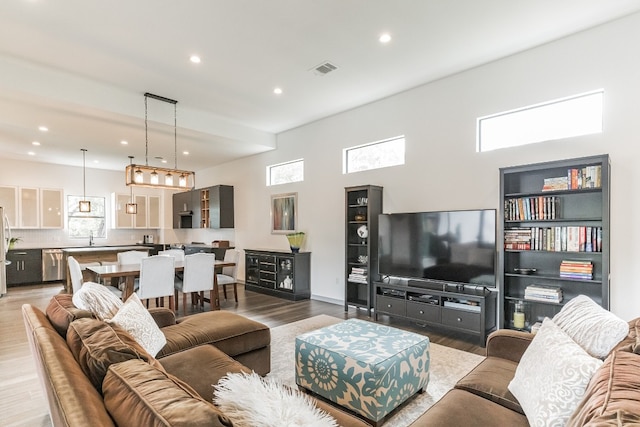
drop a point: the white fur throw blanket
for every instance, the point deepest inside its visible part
(250, 400)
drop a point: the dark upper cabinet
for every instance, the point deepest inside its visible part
(210, 207)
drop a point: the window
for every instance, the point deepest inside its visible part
(380, 154)
(84, 224)
(284, 173)
(561, 118)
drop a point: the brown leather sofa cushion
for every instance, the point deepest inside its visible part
(230, 332)
(96, 345)
(61, 312)
(490, 380)
(613, 395)
(201, 367)
(140, 395)
(632, 341)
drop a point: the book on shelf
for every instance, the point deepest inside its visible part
(358, 275)
(576, 269)
(544, 293)
(554, 239)
(531, 208)
(576, 179)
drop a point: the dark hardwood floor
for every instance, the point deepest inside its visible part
(21, 399)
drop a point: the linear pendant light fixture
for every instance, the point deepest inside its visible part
(131, 207)
(158, 177)
(84, 205)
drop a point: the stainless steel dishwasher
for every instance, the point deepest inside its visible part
(52, 265)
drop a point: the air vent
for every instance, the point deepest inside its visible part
(324, 68)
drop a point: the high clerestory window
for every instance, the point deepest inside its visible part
(379, 154)
(287, 172)
(561, 118)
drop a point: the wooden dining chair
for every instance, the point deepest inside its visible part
(75, 273)
(229, 275)
(156, 279)
(198, 278)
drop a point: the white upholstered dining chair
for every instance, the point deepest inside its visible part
(229, 275)
(75, 273)
(197, 278)
(156, 278)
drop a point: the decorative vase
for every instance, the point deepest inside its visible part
(294, 249)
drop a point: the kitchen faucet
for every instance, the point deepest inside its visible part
(91, 238)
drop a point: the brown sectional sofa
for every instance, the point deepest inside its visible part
(95, 374)
(482, 398)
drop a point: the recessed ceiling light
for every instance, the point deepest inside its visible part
(195, 59)
(186, 153)
(43, 128)
(36, 143)
(31, 153)
(385, 38)
(123, 142)
(277, 91)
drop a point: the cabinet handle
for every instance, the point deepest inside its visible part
(421, 312)
(388, 305)
(459, 319)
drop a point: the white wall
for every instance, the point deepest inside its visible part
(443, 170)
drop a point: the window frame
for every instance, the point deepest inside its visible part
(73, 214)
(270, 168)
(346, 151)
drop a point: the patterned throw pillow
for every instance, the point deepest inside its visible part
(134, 318)
(552, 376)
(98, 300)
(594, 328)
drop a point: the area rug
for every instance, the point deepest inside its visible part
(448, 365)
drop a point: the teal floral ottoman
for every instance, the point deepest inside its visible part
(368, 368)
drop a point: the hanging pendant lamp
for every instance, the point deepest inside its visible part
(84, 205)
(149, 176)
(131, 207)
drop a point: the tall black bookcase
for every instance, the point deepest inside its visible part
(363, 204)
(564, 209)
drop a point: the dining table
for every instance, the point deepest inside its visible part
(113, 273)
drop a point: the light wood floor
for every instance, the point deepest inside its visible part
(21, 399)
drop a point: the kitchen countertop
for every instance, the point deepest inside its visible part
(91, 249)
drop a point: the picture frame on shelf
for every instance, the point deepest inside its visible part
(284, 213)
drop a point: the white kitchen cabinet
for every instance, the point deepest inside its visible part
(29, 207)
(9, 201)
(147, 216)
(51, 208)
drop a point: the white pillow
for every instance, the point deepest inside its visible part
(249, 400)
(552, 376)
(97, 299)
(134, 318)
(594, 328)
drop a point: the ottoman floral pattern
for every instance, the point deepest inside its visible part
(368, 368)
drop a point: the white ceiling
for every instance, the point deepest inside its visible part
(81, 67)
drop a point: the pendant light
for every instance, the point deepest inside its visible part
(131, 207)
(84, 205)
(149, 176)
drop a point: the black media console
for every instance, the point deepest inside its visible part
(463, 308)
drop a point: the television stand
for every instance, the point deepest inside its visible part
(467, 309)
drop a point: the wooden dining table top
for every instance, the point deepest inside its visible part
(130, 271)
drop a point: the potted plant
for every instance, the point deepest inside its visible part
(13, 241)
(295, 240)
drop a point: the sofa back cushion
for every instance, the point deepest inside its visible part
(61, 312)
(97, 345)
(631, 342)
(613, 395)
(140, 395)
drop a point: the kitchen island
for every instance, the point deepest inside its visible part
(96, 255)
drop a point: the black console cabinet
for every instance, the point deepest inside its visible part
(467, 309)
(282, 274)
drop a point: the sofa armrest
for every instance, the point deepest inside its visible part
(508, 344)
(163, 316)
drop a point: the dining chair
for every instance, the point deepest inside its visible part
(131, 257)
(229, 275)
(198, 277)
(156, 278)
(75, 273)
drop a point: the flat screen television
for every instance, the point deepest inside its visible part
(443, 247)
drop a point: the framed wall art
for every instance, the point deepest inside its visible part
(284, 213)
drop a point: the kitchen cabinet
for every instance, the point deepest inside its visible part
(25, 267)
(33, 207)
(147, 216)
(216, 206)
(183, 207)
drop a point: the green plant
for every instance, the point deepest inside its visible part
(295, 239)
(13, 241)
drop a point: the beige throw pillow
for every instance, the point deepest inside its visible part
(98, 300)
(595, 329)
(134, 318)
(552, 376)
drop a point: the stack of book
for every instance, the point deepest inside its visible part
(358, 275)
(543, 293)
(576, 179)
(556, 184)
(582, 270)
(531, 208)
(517, 238)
